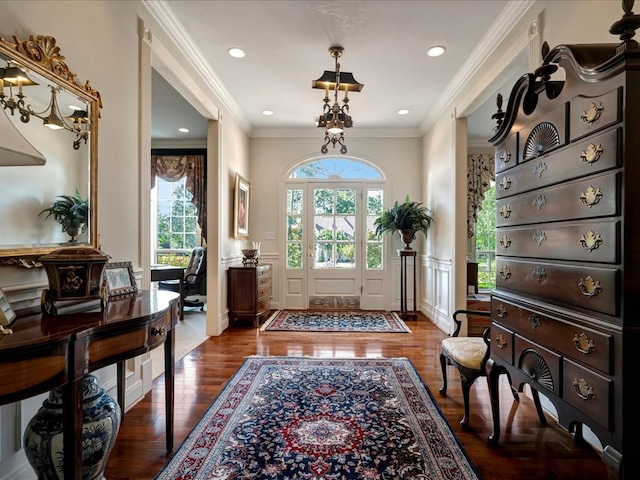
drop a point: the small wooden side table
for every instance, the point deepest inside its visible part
(405, 313)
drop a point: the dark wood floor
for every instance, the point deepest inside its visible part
(527, 451)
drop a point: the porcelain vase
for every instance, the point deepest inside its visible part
(43, 443)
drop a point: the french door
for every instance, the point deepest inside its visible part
(341, 262)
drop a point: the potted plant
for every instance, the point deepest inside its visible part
(407, 218)
(72, 212)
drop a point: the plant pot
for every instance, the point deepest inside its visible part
(73, 230)
(408, 235)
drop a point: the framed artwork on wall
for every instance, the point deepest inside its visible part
(120, 278)
(241, 208)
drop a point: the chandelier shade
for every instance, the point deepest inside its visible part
(328, 79)
(335, 117)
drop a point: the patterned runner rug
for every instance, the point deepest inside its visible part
(338, 321)
(322, 419)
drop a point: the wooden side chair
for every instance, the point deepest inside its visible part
(469, 355)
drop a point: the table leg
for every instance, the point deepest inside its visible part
(169, 381)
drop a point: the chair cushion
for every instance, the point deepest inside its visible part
(465, 351)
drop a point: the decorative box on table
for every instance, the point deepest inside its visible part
(74, 273)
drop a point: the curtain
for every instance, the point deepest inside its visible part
(174, 167)
(480, 172)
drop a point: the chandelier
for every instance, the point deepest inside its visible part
(335, 118)
(14, 78)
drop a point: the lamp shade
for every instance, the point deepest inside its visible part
(15, 76)
(328, 79)
(14, 148)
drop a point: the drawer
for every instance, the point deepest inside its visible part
(585, 286)
(101, 350)
(263, 305)
(506, 156)
(585, 345)
(501, 343)
(586, 157)
(41, 370)
(592, 114)
(539, 363)
(583, 241)
(264, 269)
(264, 291)
(542, 137)
(589, 392)
(590, 198)
(263, 281)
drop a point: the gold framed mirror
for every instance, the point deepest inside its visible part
(40, 165)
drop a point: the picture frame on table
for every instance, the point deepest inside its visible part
(120, 278)
(7, 315)
(241, 200)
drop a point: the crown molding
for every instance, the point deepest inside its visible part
(503, 24)
(174, 29)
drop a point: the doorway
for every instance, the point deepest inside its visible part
(333, 258)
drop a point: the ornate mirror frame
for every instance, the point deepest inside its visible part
(41, 55)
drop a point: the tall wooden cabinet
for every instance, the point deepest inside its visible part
(564, 311)
(249, 292)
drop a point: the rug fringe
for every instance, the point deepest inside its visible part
(269, 320)
(405, 326)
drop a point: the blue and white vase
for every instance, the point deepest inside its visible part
(43, 443)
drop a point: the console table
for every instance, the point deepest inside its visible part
(46, 352)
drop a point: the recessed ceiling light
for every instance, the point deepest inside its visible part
(268, 113)
(404, 111)
(436, 51)
(236, 52)
(183, 130)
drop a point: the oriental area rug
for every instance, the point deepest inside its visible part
(322, 419)
(337, 321)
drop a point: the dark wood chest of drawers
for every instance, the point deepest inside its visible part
(249, 292)
(568, 243)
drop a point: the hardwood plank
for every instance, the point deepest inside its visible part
(527, 450)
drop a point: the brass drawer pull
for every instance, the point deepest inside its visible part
(539, 169)
(539, 273)
(501, 310)
(501, 342)
(583, 344)
(592, 154)
(539, 237)
(592, 114)
(589, 287)
(157, 332)
(583, 389)
(534, 320)
(591, 196)
(505, 241)
(505, 183)
(539, 201)
(591, 241)
(505, 272)
(505, 157)
(505, 211)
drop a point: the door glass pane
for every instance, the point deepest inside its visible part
(374, 243)
(334, 228)
(294, 228)
(323, 201)
(324, 257)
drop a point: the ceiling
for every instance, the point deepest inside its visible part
(287, 46)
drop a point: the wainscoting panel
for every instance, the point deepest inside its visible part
(436, 296)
